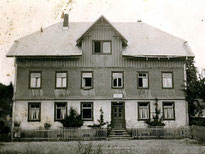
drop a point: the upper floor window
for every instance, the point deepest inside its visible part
(61, 80)
(87, 80)
(60, 110)
(168, 111)
(117, 79)
(35, 79)
(34, 110)
(142, 80)
(101, 47)
(87, 110)
(167, 80)
(143, 110)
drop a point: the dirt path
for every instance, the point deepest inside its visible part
(184, 146)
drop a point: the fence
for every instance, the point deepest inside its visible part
(198, 133)
(65, 134)
(160, 133)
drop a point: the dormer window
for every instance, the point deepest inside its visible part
(102, 47)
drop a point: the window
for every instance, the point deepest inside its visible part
(34, 110)
(117, 80)
(168, 111)
(87, 111)
(35, 80)
(102, 47)
(167, 80)
(87, 81)
(61, 80)
(60, 110)
(142, 80)
(143, 110)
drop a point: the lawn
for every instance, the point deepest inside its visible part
(184, 146)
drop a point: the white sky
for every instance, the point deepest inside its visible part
(182, 18)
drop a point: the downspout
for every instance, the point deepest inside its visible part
(185, 86)
(14, 103)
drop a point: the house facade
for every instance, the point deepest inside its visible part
(123, 68)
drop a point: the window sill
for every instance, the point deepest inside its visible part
(117, 88)
(169, 119)
(64, 88)
(142, 88)
(87, 119)
(143, 119)
(34, 88)
(87, 88)
(34, 121)
(167, 87)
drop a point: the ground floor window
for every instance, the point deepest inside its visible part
(87, 111)
(34, 111)
(168, 111)
(60, 110)
(143, 110)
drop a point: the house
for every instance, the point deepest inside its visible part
(125, 68)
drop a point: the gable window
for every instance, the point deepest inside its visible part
(168, 111)
(34, 110)
(117, 79)
(61, 80)
(87, 111)
(143, 110)
(60, 110)
(142, 80)
(35, 79)
(87, 80)
(167, 80)
(102, 47)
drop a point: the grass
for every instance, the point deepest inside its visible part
(185, 146)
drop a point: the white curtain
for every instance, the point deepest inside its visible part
(167, 80)
(143, 112)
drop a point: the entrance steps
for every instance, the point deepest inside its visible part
(119, 134)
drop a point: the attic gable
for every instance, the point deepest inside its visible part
(102, 21)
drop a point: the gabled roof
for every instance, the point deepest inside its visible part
(142, 40)
(124, 41)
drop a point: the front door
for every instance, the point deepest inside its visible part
(118, 115)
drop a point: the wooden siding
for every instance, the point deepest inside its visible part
(100, 62)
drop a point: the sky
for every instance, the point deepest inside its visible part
(182, 18)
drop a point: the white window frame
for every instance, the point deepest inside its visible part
(34, 113)
(145, 79)
(167, 80)
(102, 43)
(168, 110)
(63, 79)
(143, 110)
(85, 75)
(63, 110)
(118, 79)
(90, 108)
(35, 80)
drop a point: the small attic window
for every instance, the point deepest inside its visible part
(102, 47)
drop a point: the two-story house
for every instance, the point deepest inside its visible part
(121, 67)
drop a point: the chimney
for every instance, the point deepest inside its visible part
(65, 21)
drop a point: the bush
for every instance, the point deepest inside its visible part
(73, 119)
(199, 121)
(156, 120)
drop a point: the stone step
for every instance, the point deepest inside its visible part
(115, 133)
(119, 134)
(119, 138)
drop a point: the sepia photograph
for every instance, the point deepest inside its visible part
(102, 77)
